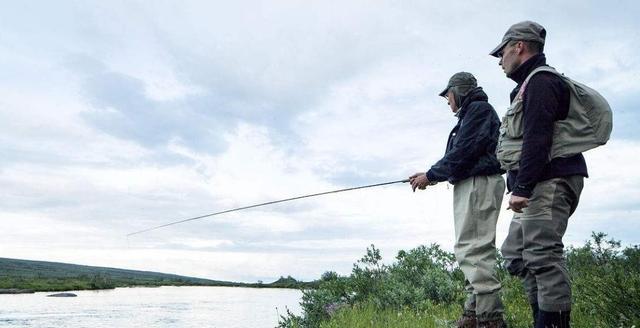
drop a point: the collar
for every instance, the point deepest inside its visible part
(476, 94)
(521, 73)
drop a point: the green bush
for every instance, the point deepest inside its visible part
(606, 282)
(420, 278)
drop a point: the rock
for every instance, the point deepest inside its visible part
(63, 295)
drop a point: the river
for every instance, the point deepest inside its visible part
(175, 307)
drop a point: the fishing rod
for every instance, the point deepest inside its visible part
(265, 204)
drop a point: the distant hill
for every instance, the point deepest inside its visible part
(25, 275)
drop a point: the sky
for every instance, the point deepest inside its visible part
(122, 115)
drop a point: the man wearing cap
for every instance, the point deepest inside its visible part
(544, 191)
(470, 164)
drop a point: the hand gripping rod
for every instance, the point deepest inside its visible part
(265, 204)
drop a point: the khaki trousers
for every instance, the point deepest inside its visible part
(476, 205)
(533, 249)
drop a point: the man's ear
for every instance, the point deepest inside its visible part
(520, 47)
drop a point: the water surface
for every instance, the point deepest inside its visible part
(176, 307)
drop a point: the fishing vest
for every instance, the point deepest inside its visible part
(588, 124)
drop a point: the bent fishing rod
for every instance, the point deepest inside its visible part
(265, 204)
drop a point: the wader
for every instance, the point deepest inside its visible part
(476, 203)
(533, 249)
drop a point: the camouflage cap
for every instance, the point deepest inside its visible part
(460, 79)
(523, 31)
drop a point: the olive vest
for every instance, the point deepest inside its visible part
(588, 124)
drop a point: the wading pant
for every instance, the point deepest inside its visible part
(533, 249)
(476, 205)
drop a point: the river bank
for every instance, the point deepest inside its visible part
(16, 291)
(24, 276)
(424, 287)
(21, 285)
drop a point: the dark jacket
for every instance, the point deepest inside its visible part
(545, 100)
(471, 148)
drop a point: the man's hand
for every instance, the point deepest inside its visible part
(517, 203)
(419, 181)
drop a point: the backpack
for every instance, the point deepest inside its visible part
(590, 108)
(588, 124)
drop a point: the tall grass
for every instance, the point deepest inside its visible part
(369, 315)
(423, 288)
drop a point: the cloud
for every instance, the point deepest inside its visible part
(121, 116)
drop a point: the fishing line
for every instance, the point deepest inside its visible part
(265, 204)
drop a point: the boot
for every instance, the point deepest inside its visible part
(553, 319)
(467, 320)
(495, 323)
(534, 312)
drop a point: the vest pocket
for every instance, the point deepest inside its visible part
(510, 140)
(509, 155)
(512, 121)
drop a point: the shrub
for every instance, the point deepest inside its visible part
(420, 278)
(606, 282)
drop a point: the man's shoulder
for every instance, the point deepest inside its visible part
(544, 77)
(545, 82)
(480, 106)
(480, 110)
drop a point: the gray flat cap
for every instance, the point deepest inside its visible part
(460, 79)
(523, 31)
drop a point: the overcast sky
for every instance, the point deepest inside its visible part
(121, 115)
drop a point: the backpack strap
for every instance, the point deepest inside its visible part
(536, 70)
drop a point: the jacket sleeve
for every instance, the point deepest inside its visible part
(471, 142)
(543, 101)
(439, 171)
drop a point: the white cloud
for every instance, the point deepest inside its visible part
(296, 99)
(613, 170)
(202, 243)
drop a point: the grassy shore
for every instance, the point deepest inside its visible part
(518, 314)
(423, 288)
(368, 316)
(20, 285)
